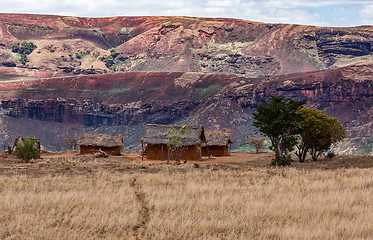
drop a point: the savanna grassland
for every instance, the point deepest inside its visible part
(80, 197)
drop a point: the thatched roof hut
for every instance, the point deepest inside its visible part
(109, 143)
(156, 135)
(218, 143)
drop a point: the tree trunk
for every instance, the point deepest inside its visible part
(278, 152)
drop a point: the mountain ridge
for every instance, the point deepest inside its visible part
(215, 45)
(115, 74)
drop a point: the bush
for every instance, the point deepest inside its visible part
(110, 59)
(24, 49)
(282, 161)
(28, 149)
(330, 154)
(80, 55)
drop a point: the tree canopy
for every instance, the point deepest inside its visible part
(279, 120)
(287, 124)
(319, 132)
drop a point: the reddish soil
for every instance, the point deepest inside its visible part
(232, 158)
(73, 164)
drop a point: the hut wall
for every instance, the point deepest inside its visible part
(154, 152)
(215, 151)
(113, 151)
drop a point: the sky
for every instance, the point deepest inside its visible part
(332, 13)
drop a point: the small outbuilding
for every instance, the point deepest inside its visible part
(92, 142)
(218, 143)
(156, 136)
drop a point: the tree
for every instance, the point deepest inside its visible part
(257, 142)
(71, 140)
(326, 131)
(319, 132)
(175, 142)
(279, 120)
(28, 148)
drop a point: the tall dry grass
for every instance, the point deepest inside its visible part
(199, 204)
(261, 204)
(102, 206)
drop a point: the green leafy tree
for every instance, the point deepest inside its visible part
(175, 142)
(28, 149)
(324, 132)
(319, 132)
(279, 120)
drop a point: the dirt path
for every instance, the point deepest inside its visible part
(144, 211)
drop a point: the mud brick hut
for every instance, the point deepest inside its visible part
(109, 143)
(155, 137)
(218, 143)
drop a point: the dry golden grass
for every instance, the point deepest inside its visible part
(116, 198)
(183, 202)
(101, 206)
(261, 204)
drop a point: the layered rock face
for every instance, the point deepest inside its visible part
(93, 114)
(215, 101)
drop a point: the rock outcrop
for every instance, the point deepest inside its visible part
(216, 101)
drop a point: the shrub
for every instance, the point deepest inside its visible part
(282, 161)
(110, 59)
(330, 154)
(80, 55)
(196, 165)
(28, 149)
(24, 49)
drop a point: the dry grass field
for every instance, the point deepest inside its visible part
(67, 197)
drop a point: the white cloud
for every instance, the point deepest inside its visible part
(366, 15)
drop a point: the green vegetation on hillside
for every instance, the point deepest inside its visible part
(80, 55)
(23, 49)
(202, 93)
(110, 59)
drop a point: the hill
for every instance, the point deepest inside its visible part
(72, 45)
(116, 74)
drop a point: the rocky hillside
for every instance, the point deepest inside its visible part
(124, 102)
(72, 45)
(61, 75)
